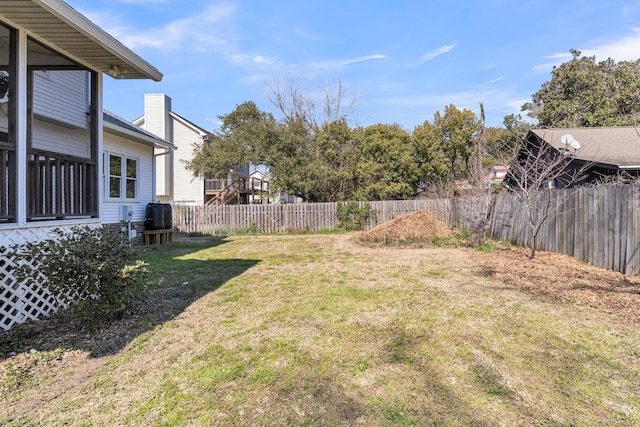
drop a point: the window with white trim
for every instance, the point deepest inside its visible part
(123, 177)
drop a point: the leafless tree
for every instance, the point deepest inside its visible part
(285, 94)
(621, 178)
(533, 178)
(480, 188)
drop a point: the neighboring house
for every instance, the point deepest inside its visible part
(601, 151)
(259, 184)
(53, 134)
(498, 173)
(174, 183)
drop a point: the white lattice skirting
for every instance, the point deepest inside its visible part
(18, 301)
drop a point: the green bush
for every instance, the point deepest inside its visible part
(89, 269)
(352, 217)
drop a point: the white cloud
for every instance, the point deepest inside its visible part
(193, 33)
(626, 48)
(493, 81)
(459, 99)
(215, 121)
(437, 52)
(345, 62)
(498, 103)
(259, 59)
(515, 105)
(239, 58)
(554, 60)
(256, 79)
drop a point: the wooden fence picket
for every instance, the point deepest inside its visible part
(596, 225)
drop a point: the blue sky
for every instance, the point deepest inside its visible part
(401, 60)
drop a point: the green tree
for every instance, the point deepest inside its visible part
(244, 137)
(337, 154)
(457, 130)
(429, 155)
(387, 167)
(586, 93)
(290, 157)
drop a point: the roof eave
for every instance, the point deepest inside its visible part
(114, 129)
(71, 17)
(202, 132)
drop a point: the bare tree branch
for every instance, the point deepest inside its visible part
(538, 169)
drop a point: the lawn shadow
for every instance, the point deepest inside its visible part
(175, 284)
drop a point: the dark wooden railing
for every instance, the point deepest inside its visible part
(7, 184)
(60, 186)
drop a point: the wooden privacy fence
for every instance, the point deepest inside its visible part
(275, 218)
(595, 225)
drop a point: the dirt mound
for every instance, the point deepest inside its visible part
(418, 226)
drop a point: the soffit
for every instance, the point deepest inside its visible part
(56, 23)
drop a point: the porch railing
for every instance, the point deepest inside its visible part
(224, 194)
(213, 185)
(7, 184)
(60, 186)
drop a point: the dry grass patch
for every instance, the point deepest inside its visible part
(317, 330)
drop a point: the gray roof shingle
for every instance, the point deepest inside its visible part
(615, 146)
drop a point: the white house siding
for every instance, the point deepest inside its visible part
(187, 189)
(163, 168)
(111, 209)
(156, 114)
(62, 96)
(61, 139)
(60, 103)
(163, 176)
(156, 119)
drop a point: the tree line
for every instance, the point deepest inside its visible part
(312, 152)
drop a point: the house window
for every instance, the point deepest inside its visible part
(123, 177)
(131, 178)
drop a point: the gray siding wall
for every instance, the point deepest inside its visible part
(60, 105)
(111, 208)
(62, 96)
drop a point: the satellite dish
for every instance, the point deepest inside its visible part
(566, 138)
(575, 144)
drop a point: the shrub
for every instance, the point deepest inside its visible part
(352, 217)
(89, 269)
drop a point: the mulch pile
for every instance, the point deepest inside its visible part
(563, 278)
(413, 227)
(549, 275)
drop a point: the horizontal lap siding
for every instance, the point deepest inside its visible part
(187, 188)
(111, 209)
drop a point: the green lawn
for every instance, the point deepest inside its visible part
(317, 330)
